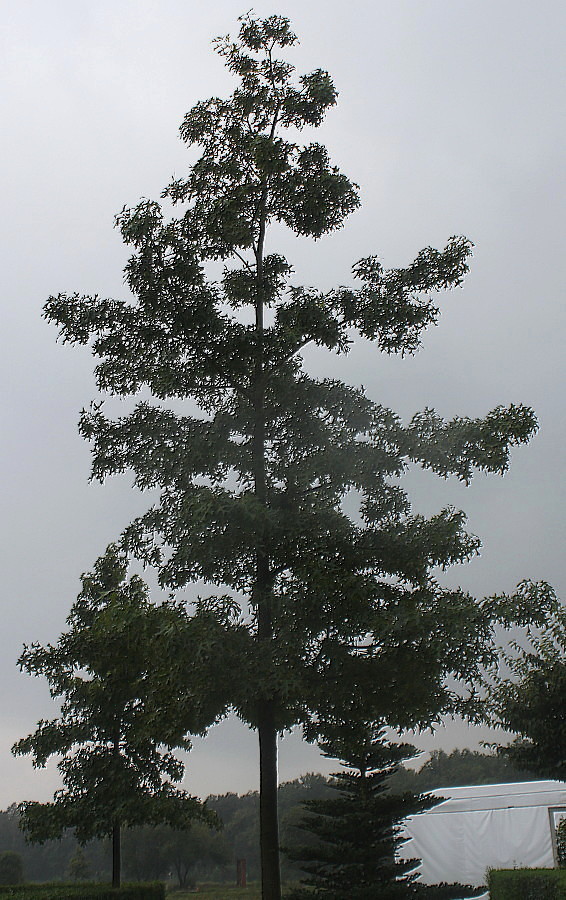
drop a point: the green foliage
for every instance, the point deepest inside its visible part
(222, 891)
(358, 830)
(263, 473)
(142, 853)
(196, 852)
(120, 716)
(78, 868)
(527, 884)
(146, 891)
(530, 700)
(11, 868)
(561, 843)
(459, 767)
(444, 891)
(48, 861)
(190, 854)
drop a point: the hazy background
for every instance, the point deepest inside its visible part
(451, 120)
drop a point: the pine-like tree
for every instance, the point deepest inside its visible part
(253, 473)
(353, 836)
(357, 831)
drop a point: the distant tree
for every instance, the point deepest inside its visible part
(151, 852)
(253, 474)
(78, 868)
(291, 798)
(195, 850)
(10, 834)
(530, 700)
(11, 868)
(48, 861)
(358, 830)
(240, 818)
(459, 767)
(142, 853)
(122, 714)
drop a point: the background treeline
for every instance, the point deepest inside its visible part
(201, 854)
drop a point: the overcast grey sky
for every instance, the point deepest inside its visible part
(451, 120)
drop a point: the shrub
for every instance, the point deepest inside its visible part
(141, 891)
(561, 843)
(446, 891)
(11, 868)
(527, 884)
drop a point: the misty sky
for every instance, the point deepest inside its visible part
(451, 120)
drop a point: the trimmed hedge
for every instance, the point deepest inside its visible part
(444, 891)
(527, 884)
(143, 891)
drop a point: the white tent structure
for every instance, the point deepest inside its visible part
(501, 826)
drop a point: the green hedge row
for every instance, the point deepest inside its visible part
(446, 891)
(527, 884)
(143, 891)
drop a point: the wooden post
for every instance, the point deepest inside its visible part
(241, 873)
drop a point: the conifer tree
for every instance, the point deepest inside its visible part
(357, 831)
(252, 473)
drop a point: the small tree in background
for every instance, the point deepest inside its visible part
(78, 868)
(194, 850)
(142, 853)
(122, 715)
(531, 699)
(150, 852)
(358, 830)
(11, 868)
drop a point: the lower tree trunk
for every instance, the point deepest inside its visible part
(116, 855)
(269, 825)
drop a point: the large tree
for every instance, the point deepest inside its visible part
(121, 713)
(253, 472)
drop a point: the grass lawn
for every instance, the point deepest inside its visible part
(219, 892)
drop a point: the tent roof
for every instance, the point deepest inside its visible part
(499, 796)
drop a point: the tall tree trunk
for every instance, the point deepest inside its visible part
(263, 596)
(116, 846)
(269, 825)
(116, 855)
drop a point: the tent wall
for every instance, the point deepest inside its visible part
(489, 826)
(461, 846)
